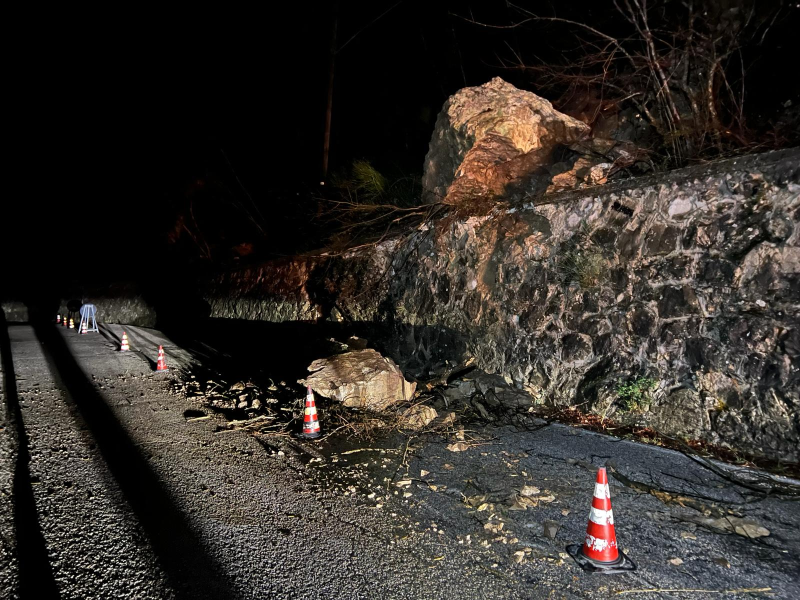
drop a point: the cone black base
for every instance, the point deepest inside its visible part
(310, 436)
(622, 565)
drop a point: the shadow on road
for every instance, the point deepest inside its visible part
(191, 572)
(35, 575)
(116, 340)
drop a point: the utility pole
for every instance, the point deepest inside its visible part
(326, 146)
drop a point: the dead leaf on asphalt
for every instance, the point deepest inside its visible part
(494, 527)
(475, 501)
(744, 527)
(458, 446)
(518, 505)
(529, 490)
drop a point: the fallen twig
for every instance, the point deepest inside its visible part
(360, 450)
(391, 479)
(330, 433)
(203, 418)
(697, 591)
(667, 497)
(405, 454)
(244, 424)
(769, 486)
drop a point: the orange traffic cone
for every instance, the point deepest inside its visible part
(123, 346)
(58, 319)
(161, 365)
(64, 321)
(310, 420)
(600, 553)
(71, 323)
(84, 327)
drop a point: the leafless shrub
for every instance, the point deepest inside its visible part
(680, 64)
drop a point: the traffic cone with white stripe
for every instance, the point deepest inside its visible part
(64, 321)
(123, 346)
(600, 553)
(71, 323)
(84, 327)
(310, 420)
(58, 319)
(161, 364)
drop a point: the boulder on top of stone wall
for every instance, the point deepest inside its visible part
(360, 379)
(489, 136)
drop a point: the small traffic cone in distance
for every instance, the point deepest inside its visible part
(64, 321)
(161, 364)
(310, 421)
(600, 553)
(71, 323)
(84, 327)
(123, 346)
(58, 319)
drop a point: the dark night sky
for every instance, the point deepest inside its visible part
(114, 111)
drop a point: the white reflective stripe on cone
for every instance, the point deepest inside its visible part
(601, 491)
(601, 517)
(598, 544)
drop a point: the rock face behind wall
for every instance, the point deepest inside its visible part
(125, 310)
(274, 292)
(116, 303)
(690, 279)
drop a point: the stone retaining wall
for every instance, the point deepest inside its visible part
(690, 280)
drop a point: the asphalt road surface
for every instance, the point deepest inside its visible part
(111, 487)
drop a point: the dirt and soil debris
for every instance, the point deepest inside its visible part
(461, 396)
(488, 474)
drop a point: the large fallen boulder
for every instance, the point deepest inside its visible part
(360, 379)
(490, 137)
